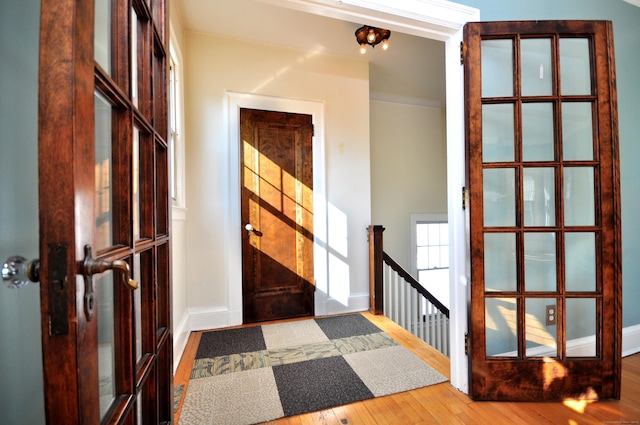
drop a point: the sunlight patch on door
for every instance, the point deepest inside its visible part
(277, 187)
(276, 191)
(281, 207)
(275, 232)
(552, 370)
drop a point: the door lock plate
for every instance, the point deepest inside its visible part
(58, 323)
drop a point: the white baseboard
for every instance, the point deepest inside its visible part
(580, 347)
(630, 340)
(331, 306)
(202, 319)
(180, 339)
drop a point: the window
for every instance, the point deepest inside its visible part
(176, 148)
(430, 253)
(173, 130)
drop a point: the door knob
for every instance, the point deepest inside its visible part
(91, 266)
(249, 228)
(17, 271)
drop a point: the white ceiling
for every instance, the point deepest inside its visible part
(411, 71)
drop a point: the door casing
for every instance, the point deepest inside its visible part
(236, 101)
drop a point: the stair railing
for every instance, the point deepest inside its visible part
(401, 298)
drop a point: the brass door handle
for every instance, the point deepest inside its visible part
(91, 266)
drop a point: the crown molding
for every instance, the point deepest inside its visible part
(434, 19)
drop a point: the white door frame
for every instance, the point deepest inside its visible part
(438, 20)
(236, 101)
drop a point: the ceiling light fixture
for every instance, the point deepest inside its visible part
(372, 36)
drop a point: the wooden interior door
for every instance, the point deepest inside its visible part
(544, 210)
(277, 212)
(104, 212)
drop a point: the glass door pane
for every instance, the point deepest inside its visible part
(577, 131)
(103, 169)
(134, 57)
(497, 63)
(501, 323)
(579, 196)
(541, 327)
(539, 196)
(136, 184)
(137, 305)
(498, 135)
(500, 267)
(575, 66)
(106, 339)
(540, 262)
(580, 261)
(537, 73)
(102, 34)
(499, 197)
(581, 327)
(537, 132)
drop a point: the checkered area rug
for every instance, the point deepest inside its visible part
(256, 374)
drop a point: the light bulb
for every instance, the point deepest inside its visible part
(363, 49)
(385, 44)
(371, 37)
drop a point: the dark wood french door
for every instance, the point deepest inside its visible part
(104, 212)
(277, 215)
(544, 210)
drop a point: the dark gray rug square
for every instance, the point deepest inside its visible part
(346, 326)
(230, 341)
(318, 384)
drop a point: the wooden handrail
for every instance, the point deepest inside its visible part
(414, 283)
(377, 257)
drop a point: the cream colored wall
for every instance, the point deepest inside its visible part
(218, 66)
(409, 170)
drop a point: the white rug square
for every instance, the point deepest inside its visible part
(292, 334)
(238, 398)
(393, 369)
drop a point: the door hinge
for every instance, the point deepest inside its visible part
(465, 197)
(467, 347)
(313, 130)
(462, 52)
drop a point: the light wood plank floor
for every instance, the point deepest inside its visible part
(443, 404)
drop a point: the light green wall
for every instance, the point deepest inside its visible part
(626, 27)
(408, 170)
(21, 393)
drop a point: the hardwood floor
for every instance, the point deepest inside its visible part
(443, 404)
